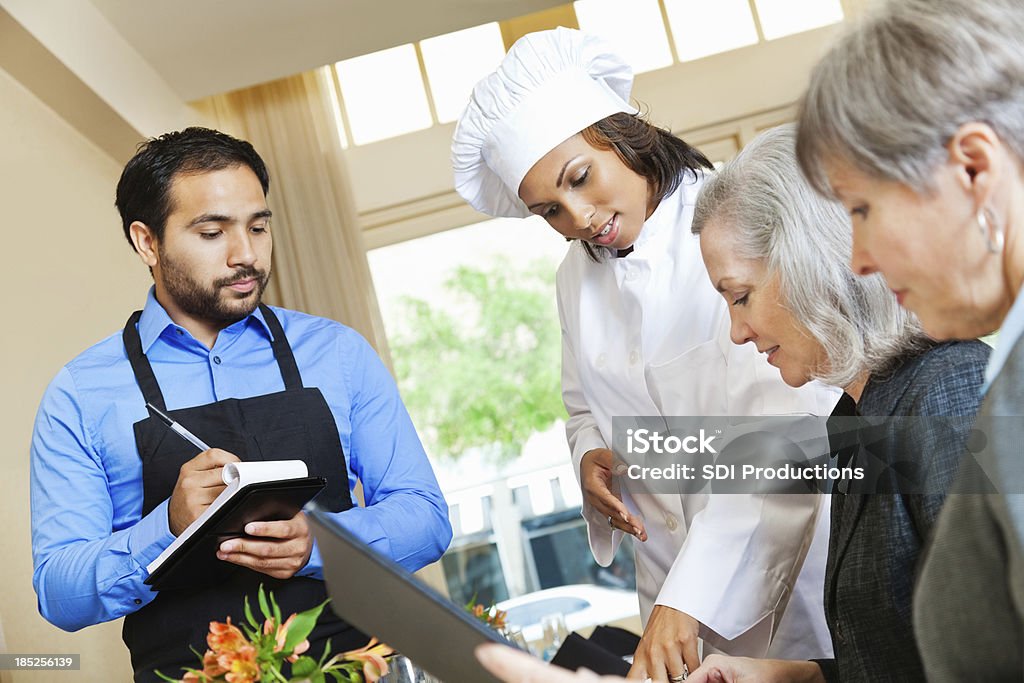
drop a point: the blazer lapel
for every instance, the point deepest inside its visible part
(845, 514)
(844, 441)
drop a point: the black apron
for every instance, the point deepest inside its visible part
(294, 424)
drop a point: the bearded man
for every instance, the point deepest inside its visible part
(111, 489)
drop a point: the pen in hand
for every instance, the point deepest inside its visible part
(177, 428)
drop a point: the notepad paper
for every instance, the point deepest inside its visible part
(236, 475)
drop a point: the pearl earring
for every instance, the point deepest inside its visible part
(990, 230)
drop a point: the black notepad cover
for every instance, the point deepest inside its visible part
(195, 563)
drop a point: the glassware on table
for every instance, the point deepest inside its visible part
(401, 669)
(555, 632)
(514, 635)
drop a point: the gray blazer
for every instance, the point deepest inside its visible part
(876, 538)
(969, 601)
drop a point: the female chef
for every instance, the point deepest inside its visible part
(551, 133)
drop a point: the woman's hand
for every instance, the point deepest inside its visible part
(723, 669)
(597, 470)
(669, 642)
(513, 666)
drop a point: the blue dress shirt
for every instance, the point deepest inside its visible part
(90, 543)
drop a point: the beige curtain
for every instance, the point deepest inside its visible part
(320, 262)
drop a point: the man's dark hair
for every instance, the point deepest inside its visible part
(144, 191)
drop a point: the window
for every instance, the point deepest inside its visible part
(719, 151)
(435, 257)
(559, 554)
(474, 570)
(637, 33)
(383, 94)
(515, 510)
(701, 28)
(456, 61)
(784, 17)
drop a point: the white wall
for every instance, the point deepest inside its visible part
(68, 278)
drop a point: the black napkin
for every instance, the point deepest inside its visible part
(578, 652)
(618, 641)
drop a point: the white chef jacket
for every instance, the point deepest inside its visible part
(648, 334)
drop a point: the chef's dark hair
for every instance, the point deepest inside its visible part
(649, 151)
(144, 190)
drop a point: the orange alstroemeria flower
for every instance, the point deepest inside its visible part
(211, 669)
(240, 665)
(372, 656)
(225, 637)
(231, 654)
(282, 635)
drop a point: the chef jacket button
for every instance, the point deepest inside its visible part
(671, 523)
(601, 360)
(634, 357)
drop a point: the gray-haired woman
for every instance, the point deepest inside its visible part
(779, 253)
(915, 121)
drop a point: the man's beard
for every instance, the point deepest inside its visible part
(217, 304)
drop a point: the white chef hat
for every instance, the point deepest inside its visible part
(550, 86)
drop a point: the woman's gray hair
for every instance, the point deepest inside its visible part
(764, 203)
(890, 95)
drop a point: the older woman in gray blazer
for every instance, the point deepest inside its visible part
(778, 253)
(915, 121)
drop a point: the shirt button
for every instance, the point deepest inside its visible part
(216, 359)
(137, 601)
(634, 357)
(671, 523)
(631, 275)
(179, 331)
(601, 359)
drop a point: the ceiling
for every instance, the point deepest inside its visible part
(207, 47)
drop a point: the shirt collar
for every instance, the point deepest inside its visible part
(1011, 330)
(155, 320)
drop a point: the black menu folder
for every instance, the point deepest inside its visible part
(382, 599)
(194, 562)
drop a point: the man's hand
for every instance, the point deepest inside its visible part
(277, 549)
(199, 482)
(596, 477)
(669, 642)
(724, 669)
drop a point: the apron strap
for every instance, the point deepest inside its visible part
(140, 364)
(282, 351)
(151, 388)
